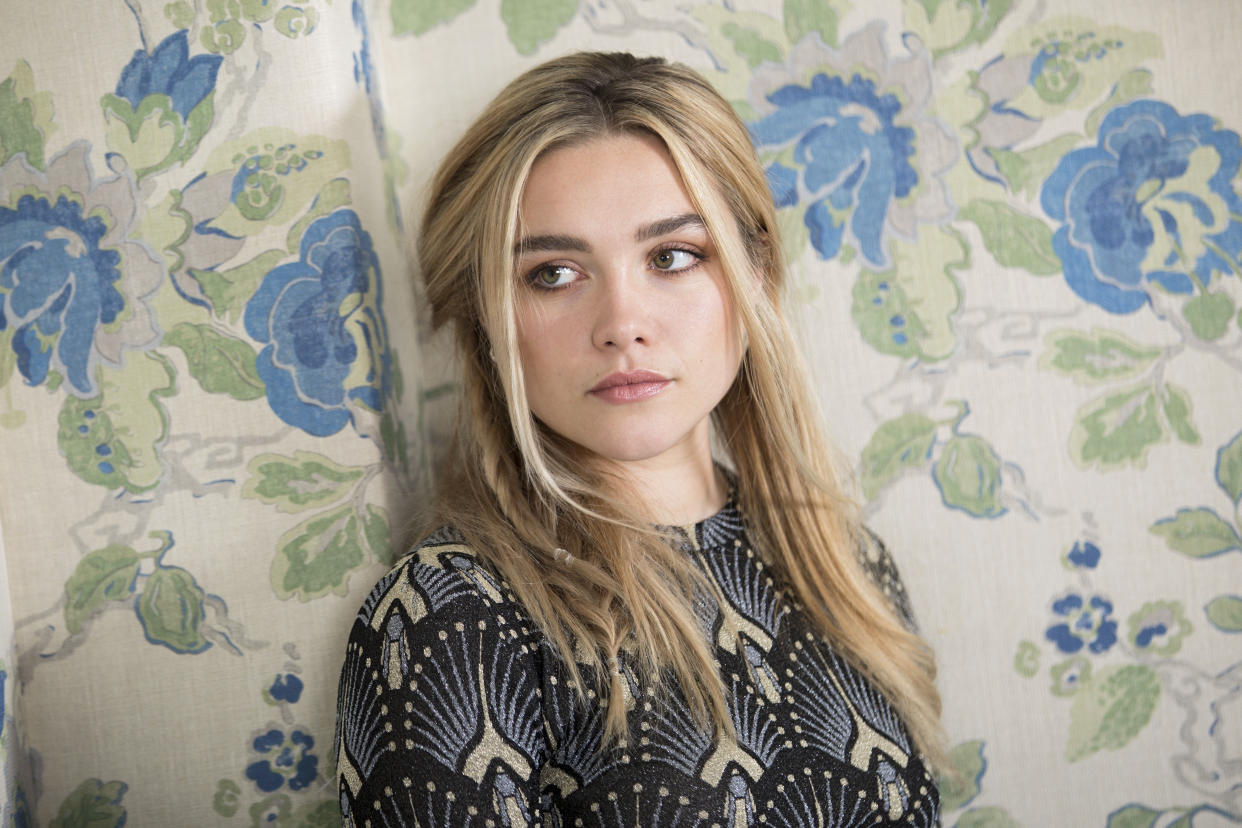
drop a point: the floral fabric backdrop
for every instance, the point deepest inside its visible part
(1016, 237)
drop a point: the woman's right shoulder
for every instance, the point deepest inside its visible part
(440, 576)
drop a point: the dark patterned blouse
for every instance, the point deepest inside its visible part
(454, 711)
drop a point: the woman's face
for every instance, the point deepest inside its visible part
(626, 332)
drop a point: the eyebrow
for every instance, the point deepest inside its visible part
(552, 241)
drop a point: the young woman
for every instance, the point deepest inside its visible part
(612, 626)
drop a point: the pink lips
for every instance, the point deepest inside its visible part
(629, 386)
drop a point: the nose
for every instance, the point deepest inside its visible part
(623, 313)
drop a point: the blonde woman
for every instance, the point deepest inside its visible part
(613, 626)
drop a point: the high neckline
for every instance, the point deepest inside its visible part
(717, 530)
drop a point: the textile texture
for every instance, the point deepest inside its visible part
(1015, 236)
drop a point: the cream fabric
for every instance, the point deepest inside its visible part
(1016, 237)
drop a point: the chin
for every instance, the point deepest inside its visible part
(634, 449)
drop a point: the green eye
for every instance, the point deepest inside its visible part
(552, 277)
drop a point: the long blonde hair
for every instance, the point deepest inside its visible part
(590, 572)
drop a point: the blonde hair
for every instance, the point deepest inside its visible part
(592, 574)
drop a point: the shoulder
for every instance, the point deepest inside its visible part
(440, 590)
(879, 565)
(441, 575)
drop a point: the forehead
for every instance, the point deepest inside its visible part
(609, 181)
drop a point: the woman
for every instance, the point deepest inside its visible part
(612, 628)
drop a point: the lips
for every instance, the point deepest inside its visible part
(630, 386)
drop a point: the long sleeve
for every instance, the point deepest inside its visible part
(439, 721)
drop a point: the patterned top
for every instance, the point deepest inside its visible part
(454, 711)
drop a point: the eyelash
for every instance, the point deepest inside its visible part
(532, 277)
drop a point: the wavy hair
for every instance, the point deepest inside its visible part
(590, 571)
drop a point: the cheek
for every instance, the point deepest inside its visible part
(542, 349)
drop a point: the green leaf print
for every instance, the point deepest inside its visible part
(295, 484)
(1096, 357)
(989, 817)
(533, 22)
(154, 136)
(899, 444)
(1176, 407)
(1209, 315)
(951, 25)
(171, 610)
(1197, 533)
(1229, 468)
(968, 475)
(750, 44)
(1225, 613)
(93, 804)
(1013, 238)
(220, 363)
(1133, 84)
(316, 556)
(907, 311)
(961, 783)
(1118, 428)
(417, 17)
(25, 117)
(1133, 816)
(114, 439)
(101, 576)
(229, 290)
(805, 16)
(1110, 711)
(1026, 171)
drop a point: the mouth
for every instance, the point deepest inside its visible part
(630, 386)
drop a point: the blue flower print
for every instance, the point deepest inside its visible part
(169, 70)
(283, 758)
(326, 340)
(853, 158)
(1087, 622)
(852, 144)
(1151, 204)
(1159, 627)
(286, 688)
(162, 106)
(1084, 555)
(71, 281)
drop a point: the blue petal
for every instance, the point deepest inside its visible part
(1105, 637)
(1085, 554)
(195, 82)
(282, 396)
(307, 770)
(1065, 640)
(269, 740)
(264, 776)
(783, 182)
(825, 232)
(1070, 603)
(286, 688)
(167, 61)
(1146, 634)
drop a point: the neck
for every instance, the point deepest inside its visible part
(677, 493)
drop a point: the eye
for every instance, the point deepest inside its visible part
(551, 277)
(673, 259)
